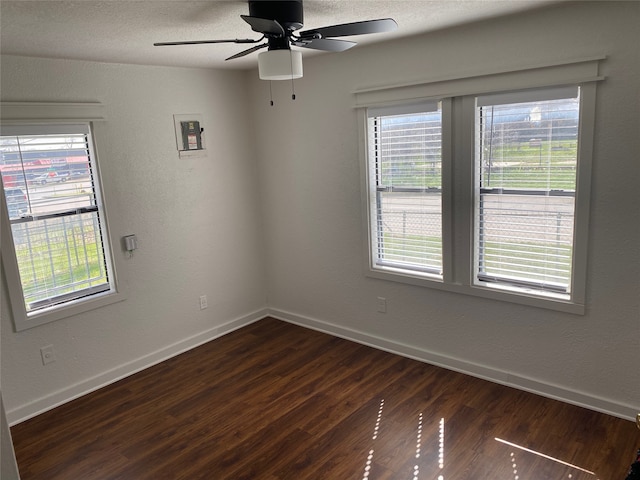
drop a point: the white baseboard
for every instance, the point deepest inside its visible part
(555, 392)
(48, 402)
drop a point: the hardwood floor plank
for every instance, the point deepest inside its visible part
(276, 401)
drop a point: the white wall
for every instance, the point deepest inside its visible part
(309, 169)
(197, 223)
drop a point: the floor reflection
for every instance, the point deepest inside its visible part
(392, 444)
(536, 461)
(376, 429)
(419, 431)
(416, 467)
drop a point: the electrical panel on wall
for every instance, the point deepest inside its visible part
(189, 135)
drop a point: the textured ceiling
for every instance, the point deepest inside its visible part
(123, 31)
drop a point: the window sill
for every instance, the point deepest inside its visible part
(549, 301)
(23, 322)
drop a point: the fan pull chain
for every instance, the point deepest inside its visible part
(270, 94)
(293, 89)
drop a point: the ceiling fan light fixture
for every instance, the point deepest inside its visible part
(283, 64)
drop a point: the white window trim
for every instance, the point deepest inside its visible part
(22, 114)
(458, 97)
(568, 72)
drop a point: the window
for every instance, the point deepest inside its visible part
(527, 156)
(482, 194)
(60, 257)
(405, 148)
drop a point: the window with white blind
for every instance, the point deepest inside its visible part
(57, 223)
(526, 160)
(486, 195)
(405, 148)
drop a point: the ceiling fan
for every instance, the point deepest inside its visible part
(278, 22)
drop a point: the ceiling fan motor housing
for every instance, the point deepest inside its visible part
(286, 13)
(277, 21)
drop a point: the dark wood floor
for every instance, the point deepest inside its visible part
(276, 401)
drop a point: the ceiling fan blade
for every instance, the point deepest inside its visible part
(264, 25)
(356, 28)
(199, 42)
(326, 44)
(248, 51)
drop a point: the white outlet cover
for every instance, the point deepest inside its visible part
(48, 355)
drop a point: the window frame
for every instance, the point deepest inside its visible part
(459, 173)
(22, 319)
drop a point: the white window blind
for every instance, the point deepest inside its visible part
(526, 163)
(405, 172)
(55, 212)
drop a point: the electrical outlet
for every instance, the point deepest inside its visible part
(382, 305)
(47, 354)
(203, 302)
